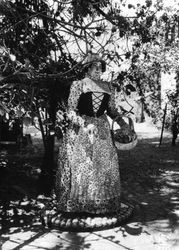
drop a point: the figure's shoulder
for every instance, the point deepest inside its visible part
(89, 80)
(105, 86)
(95, 85)
(77, 84)
(86, 80)
(105, 83)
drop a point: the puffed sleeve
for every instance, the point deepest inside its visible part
(75, 92)
(72, 113)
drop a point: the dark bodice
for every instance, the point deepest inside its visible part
(85, 105)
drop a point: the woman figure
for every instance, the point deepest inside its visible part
(88, 178)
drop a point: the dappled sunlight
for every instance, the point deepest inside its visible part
(22, 238)
(171, 161)
(150, 175)
(171, 177)
(149, 180)
(155, 142)
(171, 173)
(162, 225)
(175, 201)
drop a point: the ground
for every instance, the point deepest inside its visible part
(150, 181)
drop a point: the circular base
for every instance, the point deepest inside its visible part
(85, 222)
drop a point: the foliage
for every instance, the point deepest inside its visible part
(39, 35)
(43, 43)
(158, 54)
(172, 120)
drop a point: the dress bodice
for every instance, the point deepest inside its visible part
(92, 105)
(97, 100)
(91, 98)
(94, 98)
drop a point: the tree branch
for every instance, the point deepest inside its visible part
(103, 14)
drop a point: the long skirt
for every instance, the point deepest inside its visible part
(88, 178)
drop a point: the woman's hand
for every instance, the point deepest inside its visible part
(125, 128)
(90, 128)
(76, 119)
(91, 131)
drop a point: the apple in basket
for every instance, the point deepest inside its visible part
(124, 138)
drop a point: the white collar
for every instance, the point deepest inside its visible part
(92, 86)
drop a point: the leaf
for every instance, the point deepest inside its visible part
(131, 6)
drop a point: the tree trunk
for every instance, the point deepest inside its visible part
(174, 131)
(46, 180)
(0, 126)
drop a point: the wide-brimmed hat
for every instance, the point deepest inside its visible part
(93, 58)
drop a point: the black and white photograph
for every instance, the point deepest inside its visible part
(89, 124)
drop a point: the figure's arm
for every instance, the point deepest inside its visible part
(72, 113)
(75, 92)
(63, 118)
(113, 112)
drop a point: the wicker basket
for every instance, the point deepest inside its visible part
(123, 141)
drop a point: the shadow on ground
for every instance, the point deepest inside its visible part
(150, 181)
